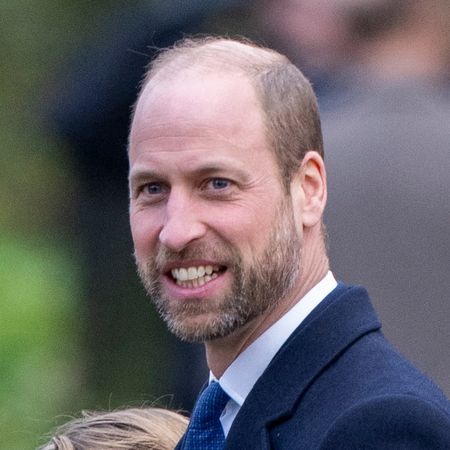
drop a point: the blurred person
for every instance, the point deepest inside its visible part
(388, 162)
(398, 39)
(127, 429)
(227, 192)
(314, 35)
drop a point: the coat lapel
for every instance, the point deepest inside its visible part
(343, 317)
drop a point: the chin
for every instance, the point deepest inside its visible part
(201, 328)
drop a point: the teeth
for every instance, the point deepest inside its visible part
(195, 276)
(192, 273)
(182, 274)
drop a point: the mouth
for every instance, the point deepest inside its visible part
(195, 276)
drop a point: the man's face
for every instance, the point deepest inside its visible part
(214, 232)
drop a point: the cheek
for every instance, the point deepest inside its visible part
(144, 233)
(246, 230)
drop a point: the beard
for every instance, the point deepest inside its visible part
(257, 287)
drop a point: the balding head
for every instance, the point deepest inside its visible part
(287, 101)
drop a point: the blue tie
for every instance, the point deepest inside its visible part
(205, 430)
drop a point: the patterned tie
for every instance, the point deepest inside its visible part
(205, 430)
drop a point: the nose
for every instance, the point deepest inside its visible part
(182, 223)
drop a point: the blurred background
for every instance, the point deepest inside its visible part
(76, 329)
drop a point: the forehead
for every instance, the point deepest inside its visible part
(198, 104)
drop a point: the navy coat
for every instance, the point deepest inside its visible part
(337, 383)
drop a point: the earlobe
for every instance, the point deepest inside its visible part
(311, 182)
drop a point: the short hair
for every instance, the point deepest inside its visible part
(127, 429)
(287, 100)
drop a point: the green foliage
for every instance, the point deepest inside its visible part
(40, 308)
(39, 356)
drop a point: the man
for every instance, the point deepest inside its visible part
(227, 193)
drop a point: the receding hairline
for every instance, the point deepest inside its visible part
(212, 54)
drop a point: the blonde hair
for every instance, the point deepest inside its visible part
(128, 429)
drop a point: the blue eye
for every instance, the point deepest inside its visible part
(153, 188)
(219, 183)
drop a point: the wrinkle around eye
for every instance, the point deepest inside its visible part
(220, 189)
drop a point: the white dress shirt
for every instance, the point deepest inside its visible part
(240, 377)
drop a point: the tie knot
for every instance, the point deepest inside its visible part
(209, 407)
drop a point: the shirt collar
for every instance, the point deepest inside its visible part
(240, 377)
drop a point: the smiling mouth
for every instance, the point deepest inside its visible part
(196, 276)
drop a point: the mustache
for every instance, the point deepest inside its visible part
(219, 253)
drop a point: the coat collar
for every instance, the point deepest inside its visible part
(343, 317)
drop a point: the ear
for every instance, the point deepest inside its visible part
(309, 189)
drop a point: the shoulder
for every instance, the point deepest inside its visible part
(390, 422)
